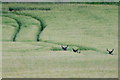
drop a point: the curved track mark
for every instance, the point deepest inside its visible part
(41, 27)
(18, 28)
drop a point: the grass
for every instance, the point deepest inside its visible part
(24, 8)
(25, 25)
(89, 28)
(56, 49)
(11, 25)
(42, 25)
(36, 60)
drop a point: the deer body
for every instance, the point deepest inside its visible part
(64, 48)
(110, 52)
(75, 50)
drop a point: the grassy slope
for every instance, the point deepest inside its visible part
(84, 25)
(81, 25)
(89, 26)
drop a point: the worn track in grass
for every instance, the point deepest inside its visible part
(41, 27)
(17, 28)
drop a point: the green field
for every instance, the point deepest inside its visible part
(33, 33)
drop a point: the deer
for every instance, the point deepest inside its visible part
(110, 52)
(64, 47)
(75, 50)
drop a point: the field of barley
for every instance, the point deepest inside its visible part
(32, 35)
